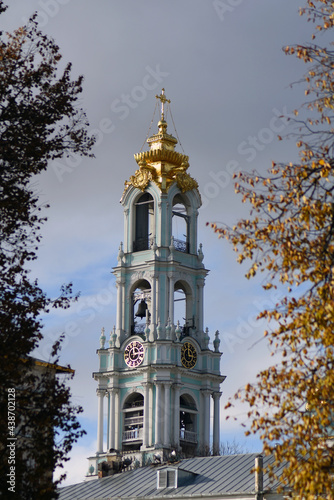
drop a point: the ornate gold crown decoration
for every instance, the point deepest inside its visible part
(161, 164)
(140, 180)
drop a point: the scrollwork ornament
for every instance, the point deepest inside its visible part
(141, 179)
(185, 182)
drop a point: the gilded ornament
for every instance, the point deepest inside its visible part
(162, 164)
(185, 182)
(141, 179)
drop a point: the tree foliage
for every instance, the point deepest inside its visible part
(39, 121)
(289, 236)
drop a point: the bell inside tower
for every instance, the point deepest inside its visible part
(141, 305)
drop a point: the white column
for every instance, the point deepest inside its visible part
(154, 307)
(151, 416)
(165, 309)
(159, 226)
(216, 418)
(171, 300)
(206, 421)
(176, 415)
(128, 234)
(158, 408)
(100, 395)
(167, 426)
(117, 420)
(146, 415)
(123, 326)
(200, 305)
(119, 306)
(111, 440)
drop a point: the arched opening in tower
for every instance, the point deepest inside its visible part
(144, 223)
(133, 421)
(180, 224)
(188, 424)
(183, 307)
(140, 307)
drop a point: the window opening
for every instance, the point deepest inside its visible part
(141, 307)
(180, 307)
(162, 479)
(188, 420)
(144, 224)
(133, 413)
(180, 229)
(181, 312)
(167, 478)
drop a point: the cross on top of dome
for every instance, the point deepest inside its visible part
(163, 99)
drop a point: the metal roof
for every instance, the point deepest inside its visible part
(53, 366)
(218, 475)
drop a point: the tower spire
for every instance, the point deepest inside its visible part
(159, 376)
(161, 164)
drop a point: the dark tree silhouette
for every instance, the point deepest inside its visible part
(39, 121)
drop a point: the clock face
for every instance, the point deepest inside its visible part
(134, 354)
(188, 355)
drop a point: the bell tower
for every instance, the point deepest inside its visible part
(158, 378)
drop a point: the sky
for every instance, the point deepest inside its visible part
(229, 81)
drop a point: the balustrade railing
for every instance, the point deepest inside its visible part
(189, 436)
(133, 421)
(133, 435)
(181, 246)
(143, 244)
(138, 403)
(138, 329)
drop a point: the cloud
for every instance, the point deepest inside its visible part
(77, 467)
